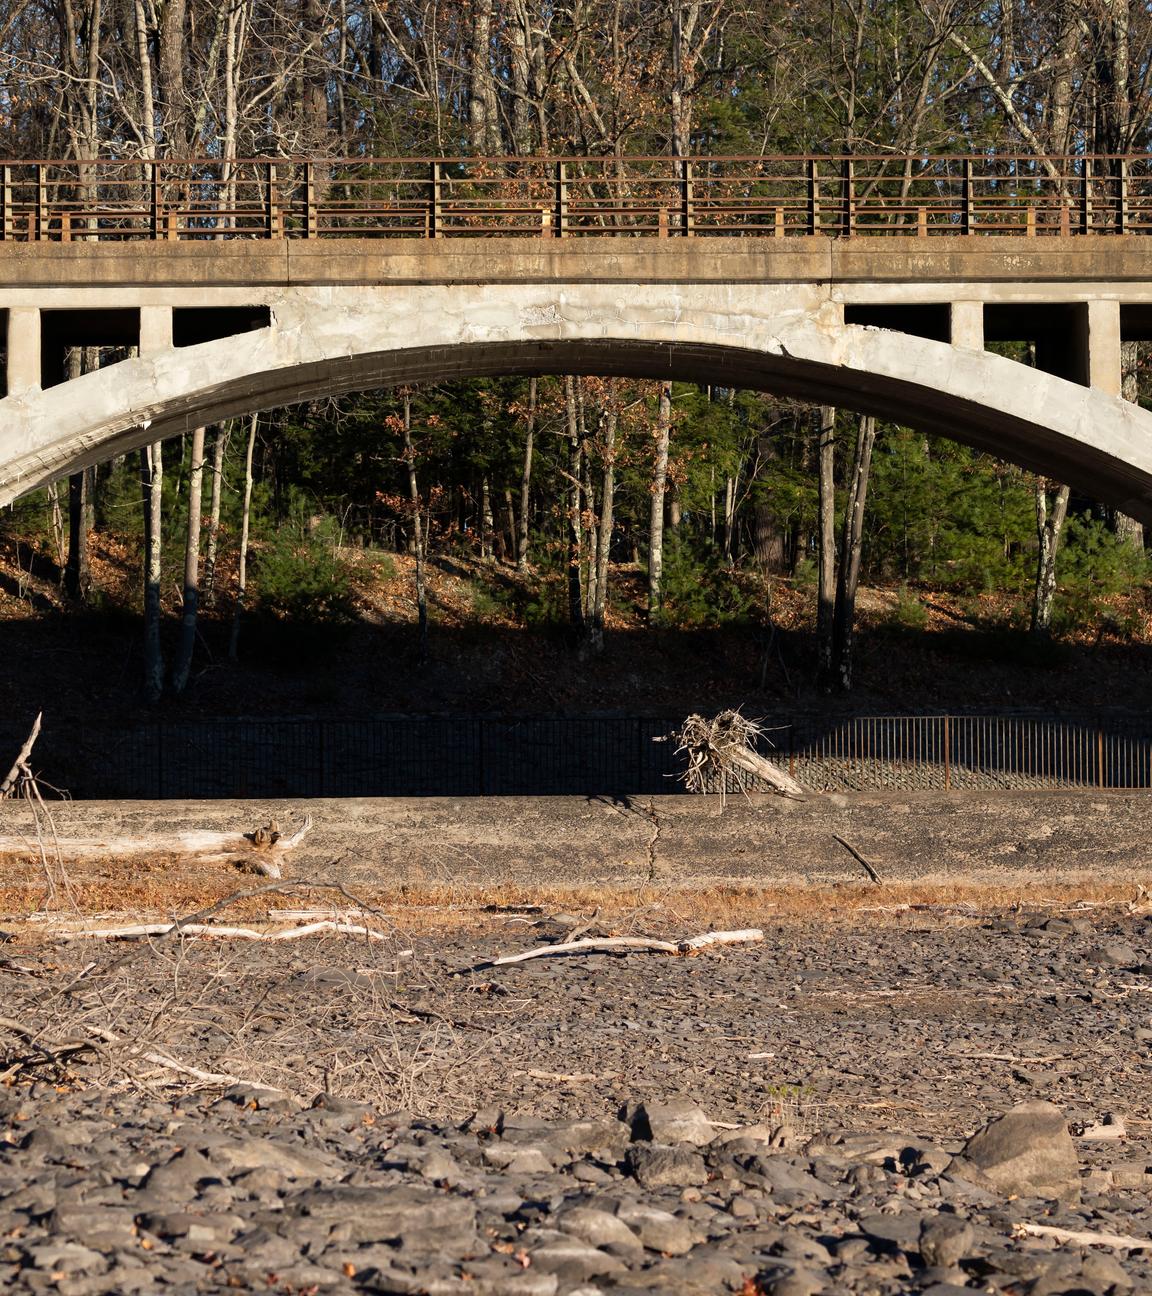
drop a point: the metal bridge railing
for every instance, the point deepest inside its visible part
(271, 198)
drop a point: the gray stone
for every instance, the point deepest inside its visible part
(1028, 1152)
(66, 1257)
(658, 1230)
(416, 1216)
(178, 1178)
(102, 1227)
(945, 1240)
(678, 1121)
(600, 1229)
(798, 1281)
(1130, 1175)
(574, 1261)
(657, 1166)
(1113, 953)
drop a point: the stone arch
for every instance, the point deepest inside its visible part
(330, 340)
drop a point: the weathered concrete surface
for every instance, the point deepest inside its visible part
(996, 838)
(909, 262)
(788, 339)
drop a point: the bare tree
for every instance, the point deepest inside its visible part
(659, 487)
(183, 664)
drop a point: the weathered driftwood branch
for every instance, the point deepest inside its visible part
(20, 764)
(259, 851)
(169, 1063)
(630, 944)
(1118, 1241)
(868, 868)
(139, 930)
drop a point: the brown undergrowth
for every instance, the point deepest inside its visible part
(156, 889)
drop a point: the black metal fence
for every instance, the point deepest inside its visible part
(611, 755)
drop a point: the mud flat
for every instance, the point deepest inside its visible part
(792, 1117)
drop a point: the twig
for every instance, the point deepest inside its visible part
(21, 761)
(1117, 1240)
(226, 933)
(859, 859)
(182, 1068)
(626, 944)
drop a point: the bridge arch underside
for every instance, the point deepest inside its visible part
(1094, 442)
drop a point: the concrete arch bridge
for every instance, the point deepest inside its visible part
(895, 326)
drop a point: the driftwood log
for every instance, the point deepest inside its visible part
(260, 851)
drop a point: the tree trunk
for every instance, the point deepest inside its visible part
(417, 533)
(604, 540)
(575, 531)
(219, 446)
(482, 107)
(77, 569)
(1049, 527)
(245, 524)
(1128, 529)
(526, 480)
(659, 486)
(184, 652)
(152, 489)
(56, 523)
(487, 522)
(851, 551)
(826, 553)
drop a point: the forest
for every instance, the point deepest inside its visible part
(578, 504)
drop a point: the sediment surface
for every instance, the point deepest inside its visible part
(790, 1117)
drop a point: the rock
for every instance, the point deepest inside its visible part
(178, 1178)
(658, 1230)
(679, 1121)
(1028, 1152)
(798, 1281)
(945, 1240)
(600, 1229)
(415, 1216)
(1109, 1127)
(1114, 953)
(657, 1166)
(572, 1260)
(1104, 1269)
(892, 1232)
(1132, 1175)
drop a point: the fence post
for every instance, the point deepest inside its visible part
(1086, 198)
(966, 198)
(309, 188)
(41, 203)
(155, 200)
(5, 202)
(434, 219)
(848, 182)
(947, 753)
(271, 206)
(1099, 756)
(813, 196)
(560, 215)
(687, 198)
(1122, 196)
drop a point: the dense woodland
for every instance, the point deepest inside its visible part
(711, 497)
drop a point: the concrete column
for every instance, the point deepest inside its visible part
(1099, 346)
(967, 323)
(155, 329)
(23, 349)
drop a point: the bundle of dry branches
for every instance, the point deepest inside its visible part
(719, 747)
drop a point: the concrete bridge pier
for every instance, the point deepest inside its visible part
(23, 350)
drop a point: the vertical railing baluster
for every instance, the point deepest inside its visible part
(1122, 196)
(966, 213)
(687, 198)
(157, 214)
(813, 196)
(560, 201)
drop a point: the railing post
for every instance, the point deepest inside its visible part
(813, 196)
(41, 203)
(849, 197)
(966, 222)
(309, 221)
(155, 200)
(1122, 196)
(271, 204)
(5, 202)
(687, 199)
(1086, 198)
(560, 201)
(434, 219)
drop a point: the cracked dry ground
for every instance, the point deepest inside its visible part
(862, 1050)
